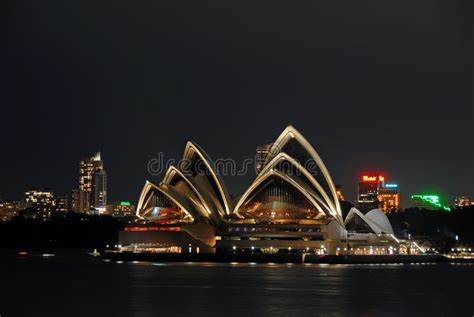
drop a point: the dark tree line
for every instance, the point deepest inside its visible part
(75, 230)
(439, 224)
(70, 230)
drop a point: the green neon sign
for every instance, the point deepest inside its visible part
(433, 200)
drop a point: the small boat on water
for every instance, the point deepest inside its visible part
(95, 253)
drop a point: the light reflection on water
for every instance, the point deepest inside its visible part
(281, 265)
(307, 289)
(233, 289)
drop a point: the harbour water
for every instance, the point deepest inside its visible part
(76, 284)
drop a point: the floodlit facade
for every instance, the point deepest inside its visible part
(292, 205)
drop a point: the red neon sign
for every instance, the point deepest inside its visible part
(367, 178)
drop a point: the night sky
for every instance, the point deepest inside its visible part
(372, 85)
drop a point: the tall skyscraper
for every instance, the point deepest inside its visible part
(62, 203)
(88, 168)
(100, 190)
(368, 191)
(75, 200)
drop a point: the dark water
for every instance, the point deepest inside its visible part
(72, 285)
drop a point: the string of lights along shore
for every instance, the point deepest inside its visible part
(374, 190)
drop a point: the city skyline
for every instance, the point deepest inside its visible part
(405, 196)
(96, 162)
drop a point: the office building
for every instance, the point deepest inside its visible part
(389, 198)
(368, 191)
(92, 184)
(120, 209)
(10, 209)
(462, 202)
(62, 203)
(428, 202)
(42, 201)
(75, 193)
(100, 191)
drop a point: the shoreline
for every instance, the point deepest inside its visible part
(281, 258)
(115, 256)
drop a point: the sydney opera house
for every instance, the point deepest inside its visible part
(291, 206)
